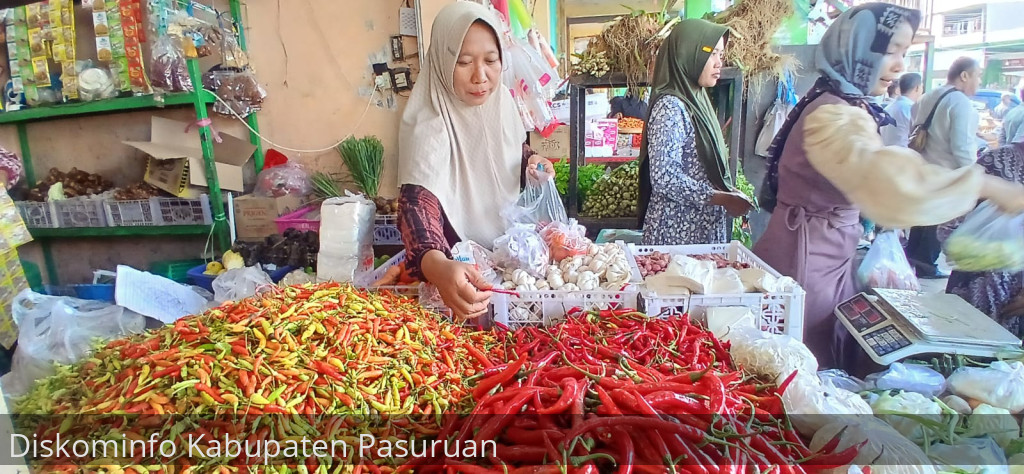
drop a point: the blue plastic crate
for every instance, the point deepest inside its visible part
(198, 278)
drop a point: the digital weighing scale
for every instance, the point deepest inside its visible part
(892, 325)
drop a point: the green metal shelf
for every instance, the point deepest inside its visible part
(121, 104)
(77, 232)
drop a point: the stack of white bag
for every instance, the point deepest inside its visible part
(346, 238)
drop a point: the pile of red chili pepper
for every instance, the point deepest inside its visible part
(618, 390)
(325, 350)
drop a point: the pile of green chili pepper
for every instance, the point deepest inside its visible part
(304, 353)
(616, 390)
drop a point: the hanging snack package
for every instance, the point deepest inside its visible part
(62, 21)
(14, 21)
(118, 47)
(240, 90)
(988, 240)
(132, 31)
(169, 71)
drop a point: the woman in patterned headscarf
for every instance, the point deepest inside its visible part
(829, 166)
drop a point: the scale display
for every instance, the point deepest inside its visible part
(891, 325)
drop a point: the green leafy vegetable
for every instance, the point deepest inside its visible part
(364, 158)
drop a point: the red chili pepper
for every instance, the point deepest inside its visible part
(210, 391)
(628, 452)
(479, 356)
(489, 383)
(569, 395)
(497, 423)
(521, 454)
(606, 401)
(835, 460)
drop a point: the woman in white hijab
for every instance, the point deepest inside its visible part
(461, 155)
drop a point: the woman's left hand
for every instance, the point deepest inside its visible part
(535, 173)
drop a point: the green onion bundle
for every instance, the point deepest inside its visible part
(364, 158)
(325, 186)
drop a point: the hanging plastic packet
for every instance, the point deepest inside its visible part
(239, 89)
(988, 240)
(169, 70)
(539, 204)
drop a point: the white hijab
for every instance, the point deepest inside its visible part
(470, 157)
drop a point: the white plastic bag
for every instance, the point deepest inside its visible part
(773, 120)
(812, 403)
(913, 378)
(772, 355)
(885, 450)
(346, 239)
(521, 247)
(1000, 384)
(886, 265)
(891, 408)
(62, 330)
(240, 283)
(979, 455)
(988, 240)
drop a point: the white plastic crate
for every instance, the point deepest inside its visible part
(80, 212)
(37, 214)
(385, 230)
(135, 213)
(778, 313)
(411, 291)
(546, 308)
(175, 211)
(159, 211)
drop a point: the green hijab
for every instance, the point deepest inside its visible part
(680, 62)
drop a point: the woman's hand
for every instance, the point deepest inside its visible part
(536, 174)
(735, 203)
(462, 287)
(1006, 195)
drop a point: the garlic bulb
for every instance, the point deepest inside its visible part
(570, 287)
(508, 285)
(543, 285)
(587, 281)
(572, 276)
(521, 277)
(555, 280)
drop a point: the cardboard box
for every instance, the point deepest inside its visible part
(176, 157)
(555, 146)
(254, 215)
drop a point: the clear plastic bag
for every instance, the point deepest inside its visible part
(284, 180)
(240, 283)
(566, 240)
(988, 240)
(532, 82)
(539, 205)
(240, 90)
(522, 248)
(60, 329)
(169, 70)
(912, 378)
(886, 265)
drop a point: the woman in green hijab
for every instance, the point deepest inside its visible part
(686, 189)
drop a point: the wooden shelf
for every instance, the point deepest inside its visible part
(76, 232)
(121, 104)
